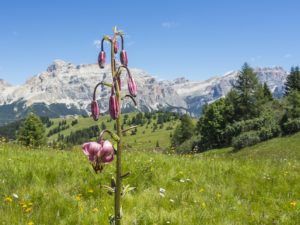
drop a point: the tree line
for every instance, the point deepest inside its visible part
(246, 116)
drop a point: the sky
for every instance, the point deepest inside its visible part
(166, 38)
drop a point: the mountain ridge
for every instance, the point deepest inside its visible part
(66, 89)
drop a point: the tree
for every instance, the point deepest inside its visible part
(32, 132)
(293, 109)
(246, 87)
(267, 93)
(211, 125)
(183, 131)
(293, 81)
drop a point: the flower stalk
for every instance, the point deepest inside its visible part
(102, 152)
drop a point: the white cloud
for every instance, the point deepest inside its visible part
(168, 24)
(288, 55)
(97, 43)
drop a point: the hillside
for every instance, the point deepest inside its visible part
(148, 135)
(257, 185)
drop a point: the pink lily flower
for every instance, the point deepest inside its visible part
(95, 110)
(102, 152)
(132, 88)
(123, 58)
(114, 105)
(101, 59)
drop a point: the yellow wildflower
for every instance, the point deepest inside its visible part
(8, 199)
(30, 223)
(78, 197)
(201, 190)
(293, 203)
(95, 210)
(28, 210)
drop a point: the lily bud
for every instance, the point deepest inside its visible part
(123, 58)
(101, 59)
(132, 88)
(116, 47)
(114, 105)
(95, 110)
(119, 83)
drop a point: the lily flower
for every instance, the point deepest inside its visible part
(101, 59)
(132, 88)
(114, 105)
(99, 152)
(95, 110)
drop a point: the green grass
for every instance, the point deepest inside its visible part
(257, 185)
(145, 138)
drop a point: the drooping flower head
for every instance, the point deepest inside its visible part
(123, 54)
(114, 105)
(132, 88)
(116, 46)
(99, 153)
(94, 105)
(102, 56)
(95, 110)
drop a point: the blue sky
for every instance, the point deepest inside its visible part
(167, 38)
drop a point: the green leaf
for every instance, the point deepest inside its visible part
(115, 146)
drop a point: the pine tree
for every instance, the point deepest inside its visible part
(32, 132)
(267, 93)
(293, 81)
(246, 87)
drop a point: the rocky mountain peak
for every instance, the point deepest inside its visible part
(67, 89)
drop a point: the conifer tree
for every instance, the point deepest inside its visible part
(246, 87)
(293, 81)
(267, 93)
(32, 132)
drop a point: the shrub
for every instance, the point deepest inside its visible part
(188, 146)
(245, 139)
(291, 126)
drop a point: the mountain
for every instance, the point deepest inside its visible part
(67, 89)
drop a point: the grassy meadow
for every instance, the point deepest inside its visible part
(146, 138)
(257, 185)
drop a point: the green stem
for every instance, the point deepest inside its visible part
(119, 148)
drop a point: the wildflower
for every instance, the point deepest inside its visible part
(101, 59)
(114, 105)
(132, 88)
(162, 192)
(30, 223)
(8, 199)
(15, 195)
(78, 197)
(95, 210)
(293, 203)
(201, 190)
(116, 47)
(95, 110)
(123, 58)
(28, 210)
(102, 151)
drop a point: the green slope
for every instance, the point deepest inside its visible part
(145, 137)
(258, 185)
